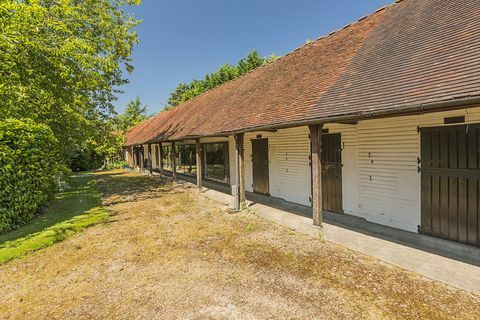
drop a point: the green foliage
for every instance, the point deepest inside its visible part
(70, 212)
(116, 165)
(185, 92)
(111, 139)
(28, 170)
(86, 157)
(134, 113)
(105, 146)
(61, 63)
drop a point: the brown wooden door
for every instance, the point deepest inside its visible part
(450, 182)
(332, 172)
(260, 166)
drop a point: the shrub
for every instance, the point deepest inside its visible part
(116, 165)
(28, 170)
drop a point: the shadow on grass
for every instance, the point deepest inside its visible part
(70, 212)
(121, 187)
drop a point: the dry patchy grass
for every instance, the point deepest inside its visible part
(167, 252)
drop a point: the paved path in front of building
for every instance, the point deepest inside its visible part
(452, 272)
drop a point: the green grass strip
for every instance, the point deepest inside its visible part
(70, 212)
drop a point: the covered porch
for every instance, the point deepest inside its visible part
(374, 169)
(450, 262)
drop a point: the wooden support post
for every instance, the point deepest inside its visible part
(160, 152)
(137, 157)
(239, 171)
(199, 163)
(130, 156)
(174, 162)
(240, 138)
(142, 158)
(134, 156)
(150, 157)
(316, 143)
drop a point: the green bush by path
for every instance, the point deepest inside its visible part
(116, 165)
(28, 170)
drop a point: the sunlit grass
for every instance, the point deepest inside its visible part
(69, 213)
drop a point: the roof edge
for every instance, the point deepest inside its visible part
(451, 103)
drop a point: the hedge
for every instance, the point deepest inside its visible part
(28, 169)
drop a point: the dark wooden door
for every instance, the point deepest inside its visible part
(260, 166)
(332, 172)
(450, 182)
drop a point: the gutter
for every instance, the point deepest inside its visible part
(421, 108)
(452, 103)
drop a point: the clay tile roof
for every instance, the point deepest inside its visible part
(409, 53)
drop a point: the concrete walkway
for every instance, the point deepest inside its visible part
(452, 272)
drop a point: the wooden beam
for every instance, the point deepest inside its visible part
(134, 156)
(142, 158)
(150, 157)
(317, 201)
(239, 187)
(160, 151)
(199, 161)
(351, 122)
(139, 159)
(174, 162)
(240, 138)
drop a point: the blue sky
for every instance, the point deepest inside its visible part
(181, 40)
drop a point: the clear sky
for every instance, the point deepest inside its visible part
(181, 40)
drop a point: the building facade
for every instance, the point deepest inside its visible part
(379, 120)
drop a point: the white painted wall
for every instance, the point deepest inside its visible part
(289, 151)
(389, 183)
(380, 178)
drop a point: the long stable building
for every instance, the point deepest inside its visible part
(379, 120)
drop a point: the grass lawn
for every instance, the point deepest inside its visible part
(167, 252)
(69, 213)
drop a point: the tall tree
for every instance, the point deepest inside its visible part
(134, 113)
(184, 92)
(111, 134)
(61, 62)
